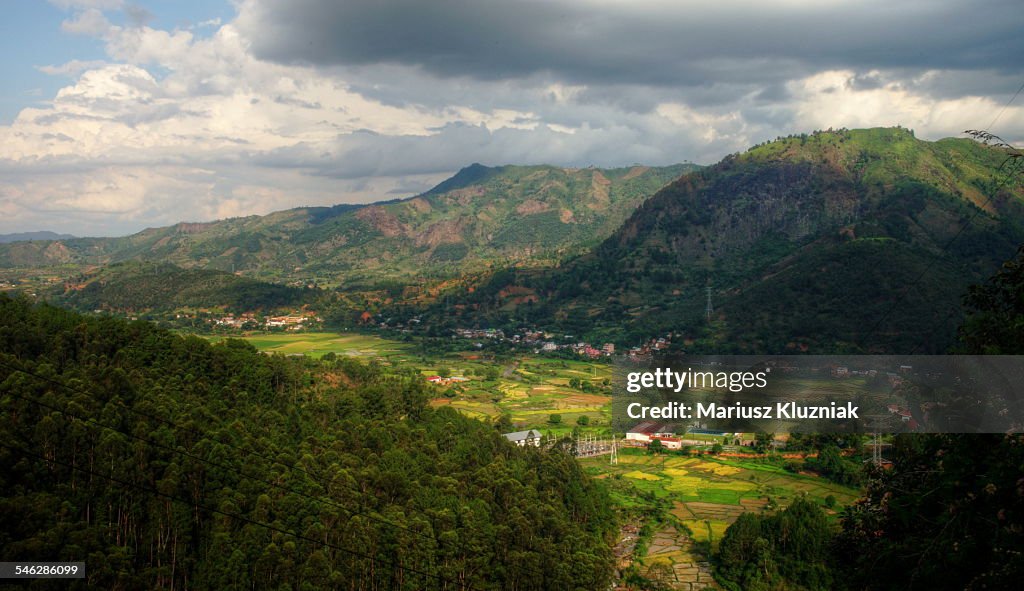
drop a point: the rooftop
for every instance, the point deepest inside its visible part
(521, 435)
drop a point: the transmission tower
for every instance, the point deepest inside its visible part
(709, 309)
(614, 459)
(877, 425)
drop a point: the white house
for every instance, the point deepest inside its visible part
(524, 438)
(648, 430)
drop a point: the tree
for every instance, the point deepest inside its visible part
(444, 372)
(762, 441)
(555, 419)
(995, 317)
(945, 516)
(583, 420)
(788, 549)
(655, 447)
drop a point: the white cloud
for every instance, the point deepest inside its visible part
(89, 22)
(72, 68)
(831, 99)
(86, 4)
(177, 125)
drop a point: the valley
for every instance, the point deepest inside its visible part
(378, 354)
(674, 507)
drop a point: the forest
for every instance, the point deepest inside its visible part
(948, 513)
(165, 462)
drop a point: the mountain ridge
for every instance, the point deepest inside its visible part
(782, 234)
(480, 216)
(29, 236)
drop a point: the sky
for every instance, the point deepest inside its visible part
(116, 116)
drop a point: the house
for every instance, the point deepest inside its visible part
(524, 438)
(440, 381)
(669, 442)
(646, 431)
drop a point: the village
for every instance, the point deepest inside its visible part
(251, 321)
(547, 342)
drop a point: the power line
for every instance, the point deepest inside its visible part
(237, 516)
(1006, 106)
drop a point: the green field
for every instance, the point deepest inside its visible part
(318, 344)
(528, 388)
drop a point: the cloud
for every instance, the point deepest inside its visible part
(646, 42)
(315, 103)
(72, 68)
(86, 4)
(137, 15)
(89, 22)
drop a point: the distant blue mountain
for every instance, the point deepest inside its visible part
(41, 235)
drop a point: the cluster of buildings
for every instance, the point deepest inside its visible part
(587, 350)
(540, 341)
(250, 320)
(232, 321)
(647, 432)
(438, 380)
(655, 345)
(895, 379)
(291, 322)
(904, 414)
(480, 333)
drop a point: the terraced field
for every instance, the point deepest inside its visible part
(705, 495)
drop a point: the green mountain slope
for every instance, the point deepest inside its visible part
(478, 217)
(151, 287)
(807, 242)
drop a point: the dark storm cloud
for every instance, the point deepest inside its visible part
(642, 42)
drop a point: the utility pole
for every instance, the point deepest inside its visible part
(876, 424)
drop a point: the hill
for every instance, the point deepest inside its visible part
(166, 462)
(25, 236)
(479, 217)
(151, 287)
(827, 242)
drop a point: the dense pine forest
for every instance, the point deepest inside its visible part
(165, 462)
